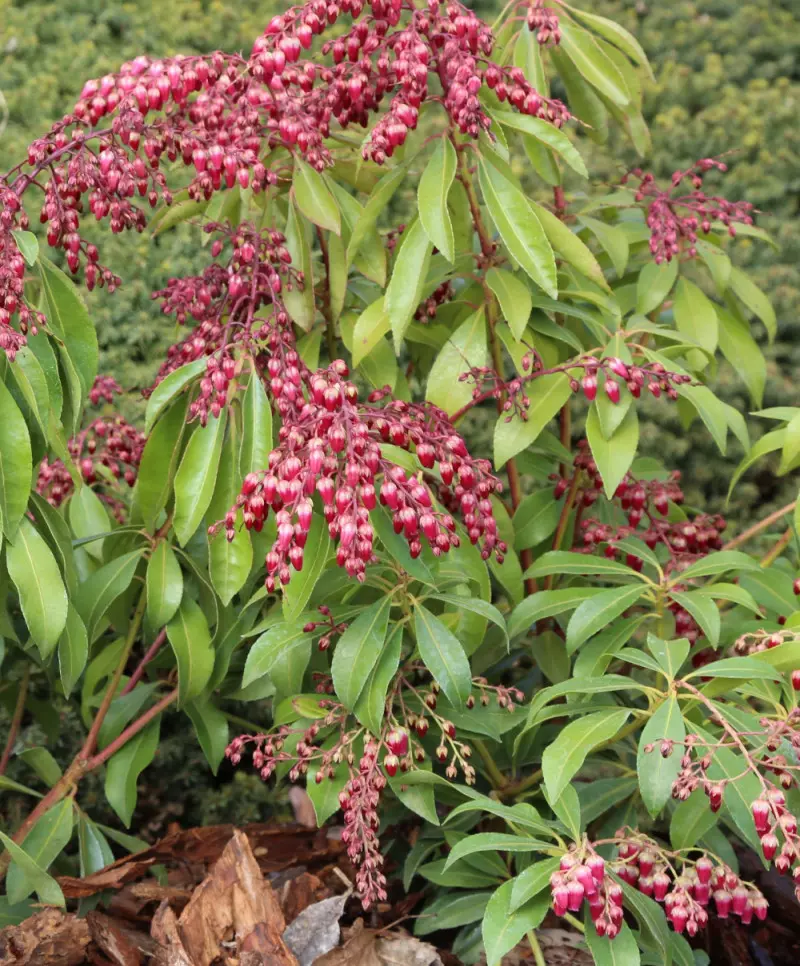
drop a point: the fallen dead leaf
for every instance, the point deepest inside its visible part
(358, 950)
(366, 947)
(406, 951)
(48, 938)
(304, 813)
(316, 930)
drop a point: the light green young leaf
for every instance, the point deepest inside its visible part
(405, 288)
(616, 34)
(164, 585)
(46, 888)
(547, 395)
(169, 388)
(371, 326)
(553, 137)
(514, 297)
(272, 647)
(754, 300)
(464, 349)
(256, 427)
(547, 603)
(615, 455)
(299, 300)
(371, 705)
(378, 201)
(654, 285)
(657, 773)
(99, 591)
(88, 516)
(567, 562)
(593, 64)
(73, 650)
(434, 187)
(297, 592)
(443, 656)
(16, 462)
(211, 728)
(571, 248)
(695, 314)
(196, 476)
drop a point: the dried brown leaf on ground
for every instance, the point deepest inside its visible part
(231, 903)
(367, 947)
(48, 938)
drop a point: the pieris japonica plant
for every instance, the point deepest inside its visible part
(526, 655)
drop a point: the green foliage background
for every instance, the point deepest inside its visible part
(727, 82)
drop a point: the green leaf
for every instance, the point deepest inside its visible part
(553, 137)
(519, 228)
(28, 245)
(69, 321)
(670, 655)
(43, 763)
(703, 610)
(378, 201)
(742, 788)
(740, 668)
(615, 455)
(622, 950)
(754, 300)
(443, 656)
(742, 351)
(169, 388)
(164, 585)
(612, 240)
(654, 285)
(273, 647)
(16, 462)
(695, 315)
(691, 820)
(514, 297)
(449, 912)
(593, 64)
(536, 519)
(405, 288)
(46, 888)
(547, 603)
(371, 705)
(229, 561)
(99, 591)
(434, 187)
(297, 592)
(598, 612)
(466, 347)
(257, 427)
(314, 198)
(45, 841)
(88, 517)
(564, 757)
(475, 606)
(196, 477)
(190, 638)
(73, 650)
(572, 249)
(652, 920)
(531, 882)
(657, 773)
(718, 563)
(493, 842)
(299, 300)
(211, 728)
(371, 326)
(547, 395)
(42, 595)
(397, 548)
(358, 650)
(162, 451)
(567, 562)
(618, 35)
(503, 928)
(124, 767)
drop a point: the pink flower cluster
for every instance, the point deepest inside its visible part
(544, 22)
(675, 219)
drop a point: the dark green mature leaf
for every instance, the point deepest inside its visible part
(670, 655)
(443, 655)
(567, 562)
(547, 395)
(358, 650)
(196, 477)
(297, 592)
(598, 612)
(466, 347)
(503, 927)
(532, 882)
(46, 888)
(475, 606)
(656, 772)
(16, 463)
(124, 767)
(738, 668)
(434, 187)
(371, 705)
(519, 228)
(547, 603)
(378, 201)
(514, 297)
(536, 519)
(691, 820)
(160, 459)
(211, 728)
(493, 842)
(651, 918)
(42, 595)
(190, 638)
(695, 314)
(48, 837)
(94, 852)
(405, 288)
(88, 517)
(622, 950)
(703, 610)
(565, 756)
(281, 641)
(229, 561)
(73, 650)
(719, 563)
(567, 244)
(164, 585)
(314, 198)
(448, 912)
(97, 593)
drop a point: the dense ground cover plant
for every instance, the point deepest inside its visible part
(516, 656)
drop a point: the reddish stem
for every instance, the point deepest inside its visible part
(16, 720)
(151, 652)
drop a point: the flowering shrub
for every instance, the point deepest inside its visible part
(436, 639)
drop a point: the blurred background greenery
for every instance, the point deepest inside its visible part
(727, 82)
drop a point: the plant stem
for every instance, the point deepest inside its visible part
(131, 731)
(330, 334)
(536, 949)
(575, 923)
(769, 558)
(496, 777)
(151, 652)
(746, 535)
(563, 520)
(16, 719)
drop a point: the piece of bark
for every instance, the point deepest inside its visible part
(121, 945)
(299, 892)
(47, 938)
(164, 930)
